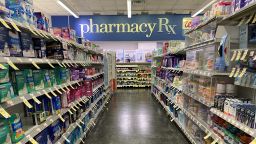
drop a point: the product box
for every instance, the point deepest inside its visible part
(52, 78)
(38, 79)
(4, 74)
(47, 79)
(18, 8)
(40, 20)
(43, 137)
(39, 115)
(65, 32)
(27, 45)
(55, 131)
(5, 137)
(4, 47)
(16, 128)
(14, 44)
(56, 31)
(56, 103)
(88, 87)
(6, 92)
(19, 82)
(39, 47)
(29, 80)
(61, 75)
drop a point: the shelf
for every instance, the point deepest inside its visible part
(127, 70)
(236, 17)
(197, 72)
(201, 44)
(231, 120)
(198, 99)
(95, 75)
(136, 86)
(93, 119)
(74, 125)
(189, 136)
(97, 87)
(19, 99)
(134, 63)
(202, 125)
(32, 132)
(205, 23)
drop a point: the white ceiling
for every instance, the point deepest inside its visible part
(112, 7)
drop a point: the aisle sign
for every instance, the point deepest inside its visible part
(121, 28)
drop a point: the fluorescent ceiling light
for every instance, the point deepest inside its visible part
(60, 2)
(129, 8)
(205, 7)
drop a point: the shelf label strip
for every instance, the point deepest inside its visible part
(4, 113)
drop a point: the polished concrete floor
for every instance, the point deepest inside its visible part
(134, 117)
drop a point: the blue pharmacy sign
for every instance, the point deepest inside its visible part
(121, 28)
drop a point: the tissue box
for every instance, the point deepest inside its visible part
(6, 92)
(38, 79)
(19, 82)
(14, 44)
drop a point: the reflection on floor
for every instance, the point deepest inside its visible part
(134, 117)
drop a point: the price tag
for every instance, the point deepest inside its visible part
(82, 140)
(249, 19)
(78, 83)
(244, 55)
(70, 111)
(11, 63)
(81, 122)
(4, 113)
(31, 30)
(237, 72)
(59, 63)
(253, 142)
(53, 93)
(61, 118)
(67, 88)
(35, 99)
(67, 140)
(78, 103)
(25, 101)
(232, 72)
(62, 89)
(71, 63)
(14, 25)
(68, 64)
(71, 85)
(2, 66)
(34, 63)
(207, 136)
(241, 22)
(238, 55)
(172, 119)
(64, 64)
(254, 20)
(58, 90)
(49, 63)
(78, 125)
(45, 93)
(4, 23)
(32, 140)
(73, 108)
(242, 73)
(75, 105)
(215, 141)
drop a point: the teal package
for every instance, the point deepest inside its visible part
(16, 127)
(6, 92)
(19, 82)
(47, 80)
(5, 137)
(52, 77)
(4, 74)
(29, 80)
(61, 75)
(38, 79)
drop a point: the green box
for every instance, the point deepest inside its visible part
(52, 77)
(6, 92)
(47, 80)
(29, 80)
(4, 74)
(38, 79)
(61, 75)
(19, 82)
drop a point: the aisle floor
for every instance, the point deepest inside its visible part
(134, 117)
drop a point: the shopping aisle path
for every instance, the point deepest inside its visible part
(134, 117)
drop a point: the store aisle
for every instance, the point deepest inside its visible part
(134, 117)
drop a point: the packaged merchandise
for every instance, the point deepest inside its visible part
(27, 45)
(39, 47)
(4, 47)
(16, 127)
(56, 31)
(47, 79)
(4, 74)
(38, 79)
(43, 137)
(19, 82)
(41, 23)
(67, 122)
(64, 100)
(5, 137)
(29, 80)
(14, 44)
(54, 50)
(56, 103)
(55, 131)
(39, 115)
(47, 105)
(52, 77)
(18, 8)
(61, 75)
